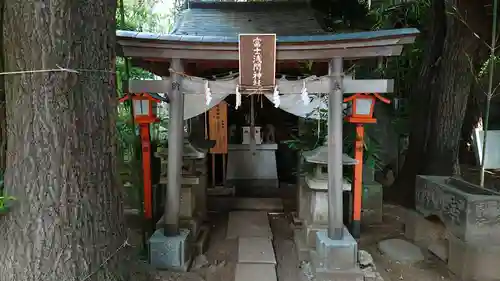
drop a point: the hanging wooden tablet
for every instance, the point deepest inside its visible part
(217, 118)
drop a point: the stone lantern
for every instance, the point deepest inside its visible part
(193, 189)
(313, 195)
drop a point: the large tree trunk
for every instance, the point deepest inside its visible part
(3, 134)
(68, 223)
(440, 97)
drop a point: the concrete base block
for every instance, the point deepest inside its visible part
(478, 262)
(170, 253)
(336, 254)
(193, 224)
(255, 272)
(321, 273)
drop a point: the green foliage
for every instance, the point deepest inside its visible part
(484, 70)
(371, 154)
(403, 69)
(134, 73)
(4, 200)
(5, 203)
(312, 133)
(341, 15)
(136, 17)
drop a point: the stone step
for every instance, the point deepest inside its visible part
(226, 204)
(248, 224)
(255, 272)
(255, 250)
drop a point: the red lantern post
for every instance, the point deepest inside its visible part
(361, 112)
(142, 106)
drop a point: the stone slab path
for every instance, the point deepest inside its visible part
(255, 250)
(248, 224)
(256, 258)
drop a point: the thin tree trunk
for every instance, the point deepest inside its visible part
(68, 223)
(439, 106)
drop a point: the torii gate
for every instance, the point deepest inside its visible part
(333, 48)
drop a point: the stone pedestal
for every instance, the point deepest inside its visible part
(314, 208)
(252, 168)
(189, 218)
(313, 212)
(188, 206)
(336, 259)
(194, 176)
(303, 197)
(170, 253)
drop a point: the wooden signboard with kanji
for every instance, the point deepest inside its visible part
(217, 118)
(257, 54)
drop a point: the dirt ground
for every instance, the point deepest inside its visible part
(218, 263)
(431, 269)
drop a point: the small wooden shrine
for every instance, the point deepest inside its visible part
(235, 53)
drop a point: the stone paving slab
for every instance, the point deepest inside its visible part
(401, 251)
(255, 250)
(248, 224)
(255, 272)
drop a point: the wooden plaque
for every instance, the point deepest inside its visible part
(257, 53)
(217, 118)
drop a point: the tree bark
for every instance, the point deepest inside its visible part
(439, 99)
(3, 133)
(68, 221)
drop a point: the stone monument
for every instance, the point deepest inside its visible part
(313, 198)
(471, 216)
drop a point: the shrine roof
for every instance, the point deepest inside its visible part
(229, 19)
(326, 37)
(210, 31)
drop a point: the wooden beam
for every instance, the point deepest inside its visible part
(279, 47)
(224, 87)
(296, 55)
(149, 86)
